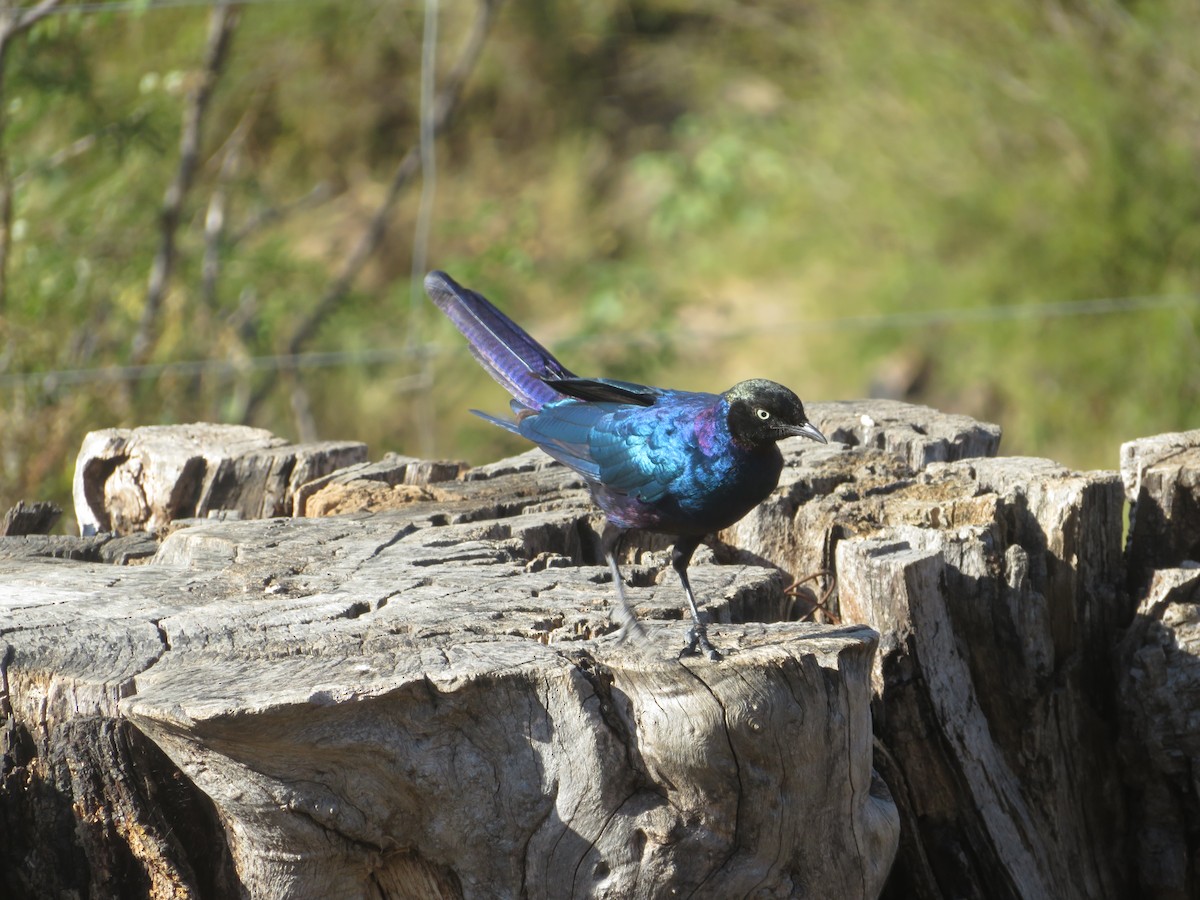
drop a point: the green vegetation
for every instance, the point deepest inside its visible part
(685, 193)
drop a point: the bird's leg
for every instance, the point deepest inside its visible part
(681, 557)
(630, 627)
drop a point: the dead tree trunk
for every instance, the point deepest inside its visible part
(420, 696)
(1158, 663)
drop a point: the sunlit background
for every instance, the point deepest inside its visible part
(993, 209)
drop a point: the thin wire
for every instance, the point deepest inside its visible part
(219, 367)
(138, 6)
(1017, 312)
(925, 318)
(428, 150)
(425, 351)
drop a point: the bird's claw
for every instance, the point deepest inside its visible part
(698, 641)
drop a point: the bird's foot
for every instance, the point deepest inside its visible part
(697, 642)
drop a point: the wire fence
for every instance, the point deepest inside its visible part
(422, 353)
(141, 6)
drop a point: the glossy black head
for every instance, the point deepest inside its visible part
(762, 412)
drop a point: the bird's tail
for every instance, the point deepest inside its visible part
(501, 346)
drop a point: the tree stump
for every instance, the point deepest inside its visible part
(420, 695)
(420, 701)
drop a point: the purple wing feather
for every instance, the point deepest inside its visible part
(503, 348)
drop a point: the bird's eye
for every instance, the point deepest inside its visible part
(762, 414)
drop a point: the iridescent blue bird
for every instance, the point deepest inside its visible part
(675, 462)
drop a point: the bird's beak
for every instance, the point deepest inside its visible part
(808, 430)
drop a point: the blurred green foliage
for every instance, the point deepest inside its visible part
(682, 193)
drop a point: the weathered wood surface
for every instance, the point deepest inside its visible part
(141, 479)
(997, 586)
(419, 697)
(426, 702)
(1158, 663)
(29, 518)
(367, 702)
(1161, 475)
(992, 675)
(1160, 743)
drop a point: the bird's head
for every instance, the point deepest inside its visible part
(762, 412)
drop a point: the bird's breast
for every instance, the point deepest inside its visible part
(708, 494)
(725, 486)
(673, 467)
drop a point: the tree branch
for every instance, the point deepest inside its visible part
(214, 218)
(24, 19)
(220, 34)
(13, 21)
(444, 107)
(321, 192)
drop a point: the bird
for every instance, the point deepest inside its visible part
(681, 463)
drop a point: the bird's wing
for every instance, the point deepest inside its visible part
(633, 465)
(503, 423)
(501, 346)
(635, 450)
(605, 390)
(563, 429)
